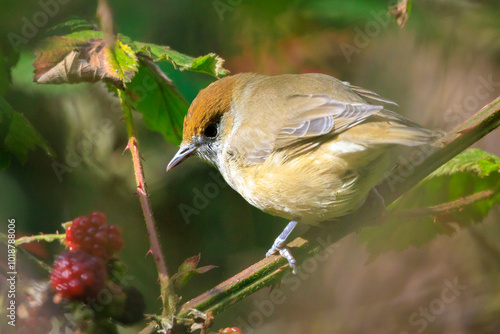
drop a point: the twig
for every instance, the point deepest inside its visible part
(440, 208)
(41, 237)
(270, 270)
(105, 17)
(168, 296)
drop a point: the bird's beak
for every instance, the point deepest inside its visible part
(183, 153)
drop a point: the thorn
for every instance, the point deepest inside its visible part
(150, 251)
(125, 149)
(140, 189)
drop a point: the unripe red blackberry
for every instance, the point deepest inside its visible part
(78, 275)
(90, 234)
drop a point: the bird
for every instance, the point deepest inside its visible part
(305, 147)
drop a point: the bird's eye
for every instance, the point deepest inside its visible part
(211, 130)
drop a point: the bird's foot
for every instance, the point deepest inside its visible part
(279, 246)
(284, 252)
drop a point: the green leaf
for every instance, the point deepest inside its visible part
(471, 173)
(473, 160)
(155, 96)
(17, 136)
(210, 64)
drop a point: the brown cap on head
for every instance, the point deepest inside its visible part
(210, 105)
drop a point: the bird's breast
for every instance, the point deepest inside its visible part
(311, 188)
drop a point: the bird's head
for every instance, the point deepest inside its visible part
(209, 121)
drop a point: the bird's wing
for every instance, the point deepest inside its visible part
(366, 93)
(315, 119)
(318, 115)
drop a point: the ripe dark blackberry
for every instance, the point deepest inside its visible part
(90, 234)
(78, 275)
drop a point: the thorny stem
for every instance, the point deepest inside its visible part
(271, 270)
(168, 296)
(40, 237)
(444, 207)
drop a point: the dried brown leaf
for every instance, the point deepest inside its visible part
(400, 13)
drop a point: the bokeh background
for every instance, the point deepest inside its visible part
(432, 68)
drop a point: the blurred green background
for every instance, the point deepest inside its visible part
(432, 68)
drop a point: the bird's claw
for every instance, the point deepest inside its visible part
(279, 246)
(285, 253)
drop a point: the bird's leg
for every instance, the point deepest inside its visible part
(279, 245)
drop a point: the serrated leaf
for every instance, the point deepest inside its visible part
(84, 57)
(473, 160)
(471, 173)
(153, 94)
(20, 138)
(210, 64)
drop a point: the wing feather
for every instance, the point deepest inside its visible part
(368, 94)
(317, 115)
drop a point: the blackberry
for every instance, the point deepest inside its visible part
(78, 275)
(90, 234)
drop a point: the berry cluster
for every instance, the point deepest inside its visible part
(78, 275)
(89, 269)
(81, 272)
(90, 234)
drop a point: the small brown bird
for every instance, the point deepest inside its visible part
(306, 147)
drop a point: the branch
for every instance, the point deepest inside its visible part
(270, 271)
(168, 296)
(443, 207)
